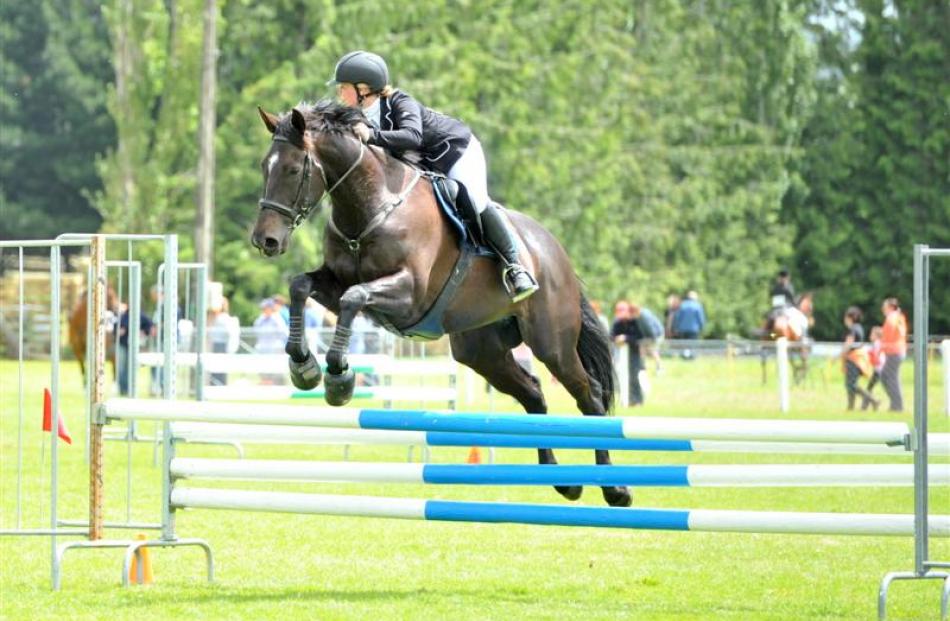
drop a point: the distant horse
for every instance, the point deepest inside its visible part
(389, 252)
(77, 328)
(793, 323)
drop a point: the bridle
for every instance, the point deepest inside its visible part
(299, 210)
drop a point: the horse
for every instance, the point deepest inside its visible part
(77, 328)
(791, 322)
(390, 253)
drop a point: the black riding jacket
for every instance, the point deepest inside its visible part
(407, 125)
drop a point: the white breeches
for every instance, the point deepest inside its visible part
(470, 171)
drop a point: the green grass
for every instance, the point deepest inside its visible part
(274, 566)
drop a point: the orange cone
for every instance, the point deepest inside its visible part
(474, 456)
(141, 554)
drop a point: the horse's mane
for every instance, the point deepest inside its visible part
(324, 116)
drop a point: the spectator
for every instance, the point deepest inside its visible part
(626, 330)
(652, 330)
(146, 328)
(876, 358)
(782, 292)
(689, 321)
(365, 340)
(894, 346)
(672, 305)
(272, 333)
(314, 314)
(280, 303)
(220, 334)
(855, 359)
(601, 317)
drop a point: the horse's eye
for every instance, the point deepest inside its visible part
(295, 171)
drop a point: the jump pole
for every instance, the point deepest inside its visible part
(97, 253)
(276, 434)
(781, 361)
(751, 475)
(602, 517)
(892, 434)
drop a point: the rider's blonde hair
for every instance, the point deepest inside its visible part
(386, 91)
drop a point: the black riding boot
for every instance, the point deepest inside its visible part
(518, 281)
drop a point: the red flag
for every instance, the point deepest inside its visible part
(62, 432)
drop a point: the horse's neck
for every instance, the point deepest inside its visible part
(362, 194)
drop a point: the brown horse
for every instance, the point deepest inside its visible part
(77, 329)
(792, 323)
(389, 252)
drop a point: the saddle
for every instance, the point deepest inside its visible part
(463, 219)
(455, 204)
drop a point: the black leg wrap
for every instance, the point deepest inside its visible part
(297, 342)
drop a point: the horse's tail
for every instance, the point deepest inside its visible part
(593, 347)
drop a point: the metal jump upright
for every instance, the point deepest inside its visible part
(924, 567)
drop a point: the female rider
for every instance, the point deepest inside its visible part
(400, 123)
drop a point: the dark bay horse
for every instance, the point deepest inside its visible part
(388, 252)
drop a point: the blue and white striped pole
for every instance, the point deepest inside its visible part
(749, 475)
(562, 515)
(515, 424)
(276, 434)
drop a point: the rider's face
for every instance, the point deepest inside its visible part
(347, 93)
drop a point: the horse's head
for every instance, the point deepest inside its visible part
(295, 178)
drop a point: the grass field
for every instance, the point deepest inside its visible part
(285, 567)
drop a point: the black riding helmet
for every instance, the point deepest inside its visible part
(362, 67)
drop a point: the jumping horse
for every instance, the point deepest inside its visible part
(390, 253)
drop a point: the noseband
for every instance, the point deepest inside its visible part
(299, 210)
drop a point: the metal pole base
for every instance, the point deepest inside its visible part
(910, 575)
(131, 548)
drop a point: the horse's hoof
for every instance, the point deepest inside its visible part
(338, 389)
(307, 374)
(572, 492)
(617, 496)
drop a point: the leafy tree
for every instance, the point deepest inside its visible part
(55, 62)
(876, 169)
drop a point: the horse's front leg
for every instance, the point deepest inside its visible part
(389, 295)
(325, 288)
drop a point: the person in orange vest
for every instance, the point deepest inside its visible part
(855, 359)
(876, 357)
(894, 346)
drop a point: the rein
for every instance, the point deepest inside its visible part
(354, 244)
(298, 212)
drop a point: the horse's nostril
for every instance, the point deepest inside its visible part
(270, 243)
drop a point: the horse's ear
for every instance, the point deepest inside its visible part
(270, 120)
(297, 120)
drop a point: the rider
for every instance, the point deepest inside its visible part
(400, 123)
(782, 292)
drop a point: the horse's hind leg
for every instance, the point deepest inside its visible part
(558, 350)
(586, 395)
(486, 352)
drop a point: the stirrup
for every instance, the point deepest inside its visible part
(512, 270)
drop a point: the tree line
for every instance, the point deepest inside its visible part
(670, 145)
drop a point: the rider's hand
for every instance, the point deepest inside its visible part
(363, 132)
